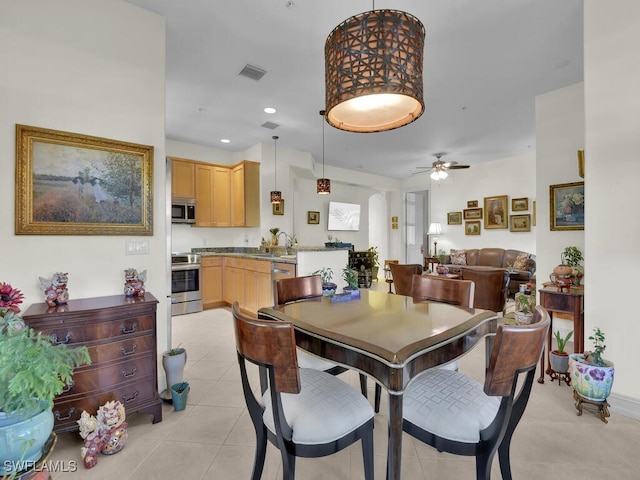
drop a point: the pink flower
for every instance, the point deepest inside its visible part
(10, 297)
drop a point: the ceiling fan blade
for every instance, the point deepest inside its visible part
(458, 167)
(424, 168)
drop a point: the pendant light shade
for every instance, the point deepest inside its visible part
(373, 71)
(276, 195)
(324, 184)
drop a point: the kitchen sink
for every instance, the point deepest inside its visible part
(265, 255)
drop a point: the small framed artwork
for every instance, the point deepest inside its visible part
(313, 218)
(472, 213)
(394, 226)
(394, 219)
(472, 203)
(472, 227)
(454, 218)
(519, 204)
(581, 163)
(521, 223)
(278, 208)
(495, 212)
(75, 184)
(566, 206)
(534, 213)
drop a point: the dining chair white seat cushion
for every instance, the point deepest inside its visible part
(449, 405)
(325, 410)
(306, 360)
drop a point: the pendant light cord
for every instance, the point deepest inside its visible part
(275, 162)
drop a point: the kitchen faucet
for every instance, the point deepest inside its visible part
(287, 241)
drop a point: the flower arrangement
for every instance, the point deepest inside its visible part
(572, 205)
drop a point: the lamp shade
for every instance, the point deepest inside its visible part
(373, 71)
(435, 229)
(324, 186)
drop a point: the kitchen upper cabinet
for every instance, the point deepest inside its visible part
(183, 178)
(245, 194)
(212, 282)
(213, 201)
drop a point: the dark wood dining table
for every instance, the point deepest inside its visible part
(388, 337)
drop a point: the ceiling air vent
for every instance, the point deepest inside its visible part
(270, 125)
(252, 72)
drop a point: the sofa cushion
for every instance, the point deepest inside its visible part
(459, 257)
(491, 257)
(521, 262)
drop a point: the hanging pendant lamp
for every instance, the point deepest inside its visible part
(324, 184)
(276, 195)
(373, 71)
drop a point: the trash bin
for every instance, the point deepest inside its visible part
(179, 393)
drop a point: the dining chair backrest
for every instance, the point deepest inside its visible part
(270, 344)
(297, 288)
(442, 289)
(402, 275)
(492, 286)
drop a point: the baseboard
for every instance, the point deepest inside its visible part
(624, 405)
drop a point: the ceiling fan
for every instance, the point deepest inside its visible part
(439, 167)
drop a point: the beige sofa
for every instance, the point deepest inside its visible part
(522, 265)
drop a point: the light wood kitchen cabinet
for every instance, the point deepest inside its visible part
(213, 200)
(183, 178)
(257, 285)
(212, 282)
(232, 280)
(245, 194)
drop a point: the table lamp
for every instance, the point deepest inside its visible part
(435, 229)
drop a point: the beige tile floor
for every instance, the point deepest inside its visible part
(213, 439)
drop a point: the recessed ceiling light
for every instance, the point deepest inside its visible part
(225, 140)
(269, 110)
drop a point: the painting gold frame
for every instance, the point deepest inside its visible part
(496, 211)
(521, 223)
(75, 184)
(566, 206)
(472, 227)
(472, 203)
(278, 208)
(454, 218)
(520, 204)
(581, 163)
(313, 218)
(472, 213)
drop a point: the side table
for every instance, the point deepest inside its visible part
(571, 303)
(429, 262)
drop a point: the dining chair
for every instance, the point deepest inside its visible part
(492, 287)
(456, 414)
(292, 289)
(402, 275)
(303, 412)
(387, 272)
(426, 288)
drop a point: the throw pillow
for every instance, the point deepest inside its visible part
(521, 262)
(459, 257)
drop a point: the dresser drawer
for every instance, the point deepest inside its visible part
(91, 332)
(121, 349)
(108, 376)
(66, 413)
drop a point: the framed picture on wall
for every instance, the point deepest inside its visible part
(454, 218)
(472, 213)
(521, 223)
(313, 218)
(472, 227)
(278, 208)
(472, 203)
(495, 212)
(566, 206)
(519, 204)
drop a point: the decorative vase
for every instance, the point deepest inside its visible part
(22, 439)
(173, 368)
(559, 361)
(562, 270)
(274, 240)
(179, 393)
(523, 318)
(590, 381)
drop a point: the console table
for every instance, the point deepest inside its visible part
(571, 303)
(120, 334)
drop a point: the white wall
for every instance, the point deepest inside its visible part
(514, 177)
(94, 68)
(612, 102)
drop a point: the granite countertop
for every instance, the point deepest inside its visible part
(276, 254)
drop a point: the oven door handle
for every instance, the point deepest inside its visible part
(186, 266)
(281, 271)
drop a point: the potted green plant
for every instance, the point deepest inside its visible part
(525, 304)
(592, 375)
(572, 256)
(33, 370)
(375, 261)
(350, 276)
(558, 358)
(328, 287)
(274, 235)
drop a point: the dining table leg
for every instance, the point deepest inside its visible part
(394, 453)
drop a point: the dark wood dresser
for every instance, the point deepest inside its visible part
(120, 333)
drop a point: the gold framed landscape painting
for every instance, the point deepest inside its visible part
(454, 218)
(472, 213)
(74, 184)
(519, 204)
(495, 212)
(472, 227)
(313, 218)
(521, 223)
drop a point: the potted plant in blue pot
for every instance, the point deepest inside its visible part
(591, 375)
(350, 276)
(328, 287)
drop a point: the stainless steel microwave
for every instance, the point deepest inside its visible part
(183, 210)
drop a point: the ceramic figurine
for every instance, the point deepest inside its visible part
(55, 289)
(134, 282)
(106, 434)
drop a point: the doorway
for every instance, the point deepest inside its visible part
(416, 220)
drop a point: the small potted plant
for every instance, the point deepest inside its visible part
(592, 375)
(558, 358)
(328, 287)
(173, 362)
(274, 235)
(524, 308)
(350, 276)
(375, 262)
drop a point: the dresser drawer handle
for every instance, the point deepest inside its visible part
(68, 386)
(71, 413)
(67, 338)
(127, 375)
(133, 350)
(130, 398)
(133, 328)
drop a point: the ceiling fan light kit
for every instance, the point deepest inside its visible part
(439, 167)
(373, 71)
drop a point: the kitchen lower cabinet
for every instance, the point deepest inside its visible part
(248, 282)
(120, 334)
(211, 282)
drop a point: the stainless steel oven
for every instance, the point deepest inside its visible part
(186, 296)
